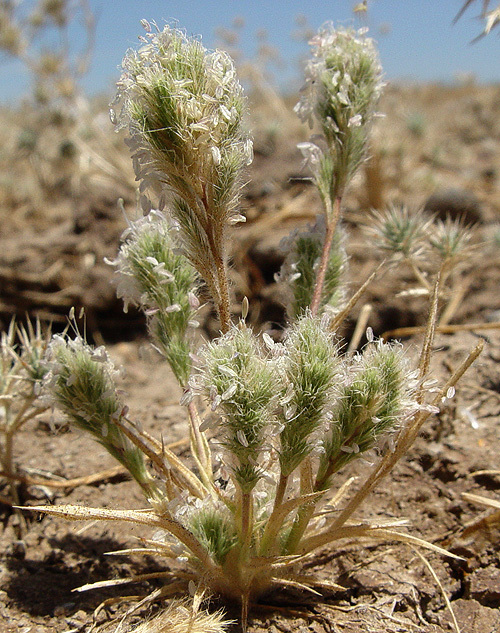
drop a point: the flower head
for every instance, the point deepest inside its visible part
(81, 383)
(377, 396)
(184, 106)
(343, 84)
(242, 383)
(301, 263)
(343, 80)
(160, 280)
(310, 366)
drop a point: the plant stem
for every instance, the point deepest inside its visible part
(246, 522)
(223, 298)
(325, 254)
(441, 329)
(339, 318)
(8, 453)
(280, 491)
(425, 356)
(215, 236)
(8, 465)
(304, 515)
(273, 523)
(419, 275)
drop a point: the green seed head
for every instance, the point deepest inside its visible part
(242, 383)
(343, 84)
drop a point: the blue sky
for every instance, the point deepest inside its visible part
(417, 39)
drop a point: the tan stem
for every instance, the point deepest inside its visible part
(305, 514)
(280, 491)
(355, 298)
(458, 294)
(216, 240)
(325, 255)
(223, 300)
(442, 329)
(425, 356)
(419, 275)
(246, 522)
(272, 526)
(162, 520)
(7, 458)
(360, 328)
(9, 466)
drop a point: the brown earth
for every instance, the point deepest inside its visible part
(433, 139)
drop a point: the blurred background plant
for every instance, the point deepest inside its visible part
(426, 244)
(37, 33)
(22, 369)
(62, 169)
(60, 165)
(491, 18)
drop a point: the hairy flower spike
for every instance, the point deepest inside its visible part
(343, 84)
(213, 528)
(81, 382)
(153, 276)
(184, 110)
(311, 369)
(242, 383)
(376, 396)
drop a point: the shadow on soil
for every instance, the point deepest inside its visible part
(40, 587)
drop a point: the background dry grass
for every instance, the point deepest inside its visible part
(61, 174)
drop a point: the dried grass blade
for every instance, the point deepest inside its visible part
(311, 581)
(275, 562)
(143, 441)
(439, 584)
(79, 513)
(123, 581)
(283, 582)
(430, 332)
(355, 298)
(358, 531)
(337, 497)
(134, 550)
(491, 503)
(279, 514)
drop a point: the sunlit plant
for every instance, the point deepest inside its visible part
(261, 491)
(491, 18)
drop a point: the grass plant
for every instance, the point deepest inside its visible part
(261, 492)
(22, 369)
